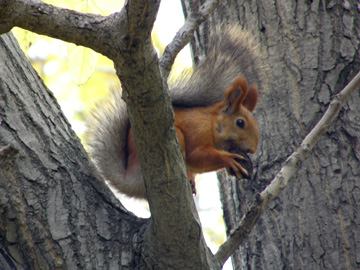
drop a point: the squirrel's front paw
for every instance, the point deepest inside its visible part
(246, 165)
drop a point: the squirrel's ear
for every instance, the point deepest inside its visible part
(251, 98)
(235, 95)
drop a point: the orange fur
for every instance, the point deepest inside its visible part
(205, 134)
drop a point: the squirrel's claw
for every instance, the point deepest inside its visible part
(240, 173)
(243, 169)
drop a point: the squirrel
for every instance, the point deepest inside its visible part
(213, 116)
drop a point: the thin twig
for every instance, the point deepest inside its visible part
(184, 35)
(291, 166)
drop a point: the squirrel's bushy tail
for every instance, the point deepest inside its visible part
(231, 51)
(107, 139)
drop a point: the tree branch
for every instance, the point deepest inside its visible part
(291, 166)
(184, 35)
(161, 160)
(90, 30)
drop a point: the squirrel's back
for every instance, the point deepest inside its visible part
(232, 51)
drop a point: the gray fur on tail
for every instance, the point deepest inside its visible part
(106, 141)
(232, 51)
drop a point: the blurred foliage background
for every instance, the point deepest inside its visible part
(80, 77)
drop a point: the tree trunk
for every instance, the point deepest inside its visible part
(54, 214)
(313, 52)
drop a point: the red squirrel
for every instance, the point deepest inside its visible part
(213, 115)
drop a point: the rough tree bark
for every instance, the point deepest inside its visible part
(56, 214)
(313, 50)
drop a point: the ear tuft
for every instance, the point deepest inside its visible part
(235, 95)
(240, 83)
(251, 98)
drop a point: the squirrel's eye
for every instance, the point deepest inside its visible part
(240, 123)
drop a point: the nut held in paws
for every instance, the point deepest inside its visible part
(246, 163)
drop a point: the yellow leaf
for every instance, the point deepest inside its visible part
(106, 7)
(82, 63)
(24, 37)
